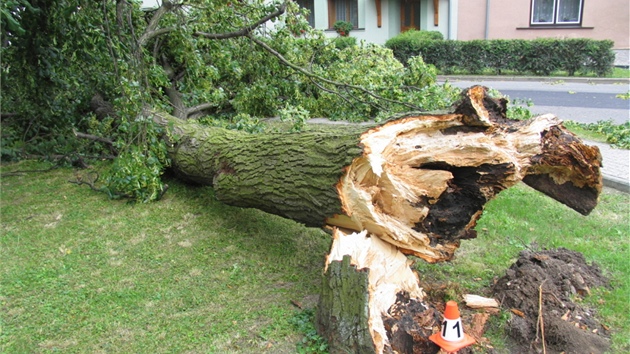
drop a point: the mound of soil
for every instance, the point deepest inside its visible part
(549, 280)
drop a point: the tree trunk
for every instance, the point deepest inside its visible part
(419, 182)
(288, 174)
(370, 298)
(414, 185)
(343, 309)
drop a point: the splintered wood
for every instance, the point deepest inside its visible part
(388, 274)
(423, 181)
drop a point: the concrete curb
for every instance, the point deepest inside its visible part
(615, 171)
(585, 80)
(617, 183)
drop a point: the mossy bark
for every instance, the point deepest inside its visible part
(343, 313)
(293, 175)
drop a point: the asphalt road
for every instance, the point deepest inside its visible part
(581, 102)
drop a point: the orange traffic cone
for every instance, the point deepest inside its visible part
(452, 337)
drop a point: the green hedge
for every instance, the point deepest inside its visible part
(539, 56)
(408, 44)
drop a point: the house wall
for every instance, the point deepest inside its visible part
(390, 15)
(427, 21)
(320, 14)
(368, 29)
(471, 19)
(604, 19)
(393, 18)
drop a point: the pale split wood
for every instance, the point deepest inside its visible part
(478, 302)
(388, 191)
(389, 273)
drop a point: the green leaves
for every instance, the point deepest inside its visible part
(312, 343)
(617, 135)
(296, 115)
(407, 44)
(137, 170)
(63, 54)
(343, 28)
(11, 14)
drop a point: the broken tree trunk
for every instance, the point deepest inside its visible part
(419, 182)
(414, 185)
(369, 297)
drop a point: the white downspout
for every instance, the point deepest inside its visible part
(487, 34)
(452, 18)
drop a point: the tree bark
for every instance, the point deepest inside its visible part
(343, 309)
(414, 185)
(288, 174)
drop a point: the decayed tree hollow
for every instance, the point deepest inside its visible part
(419, 182)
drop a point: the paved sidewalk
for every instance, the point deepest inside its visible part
(616, 168)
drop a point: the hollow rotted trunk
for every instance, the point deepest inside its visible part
(413, 185)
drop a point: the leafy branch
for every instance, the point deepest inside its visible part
(340, 85)
(245, 31)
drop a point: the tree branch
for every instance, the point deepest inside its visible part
(311, 75)
(175, 98)
(245, 31)
(151, 30)
(146, 36)
(197, 108)
(93, 137)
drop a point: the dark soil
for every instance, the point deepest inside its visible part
(540, 287)
(551, 280)
(410, 324)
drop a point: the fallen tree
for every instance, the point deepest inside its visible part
(419, 183)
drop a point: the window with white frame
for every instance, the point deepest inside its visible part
(308, 5)
(343, 10)
(556, 12)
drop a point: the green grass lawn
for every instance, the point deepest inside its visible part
(620, 73)
(83, 274)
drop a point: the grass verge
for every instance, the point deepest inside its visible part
(80, 273)
(617, 135)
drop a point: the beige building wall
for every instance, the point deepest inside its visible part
(471, 18)
(603, 19)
